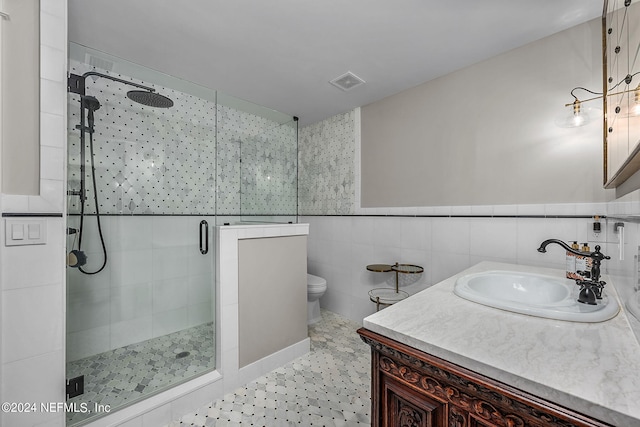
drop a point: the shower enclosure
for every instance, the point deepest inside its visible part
(154, 163)
(257, 163)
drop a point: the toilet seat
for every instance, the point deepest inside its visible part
(315, 283)
(315, 292)
(316, 287)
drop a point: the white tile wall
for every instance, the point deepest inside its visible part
(443, 246)
(18, 340)
(37, 264)
(32, 279)
(156, 282)
(34, 379)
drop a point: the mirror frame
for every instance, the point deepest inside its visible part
(631, 165)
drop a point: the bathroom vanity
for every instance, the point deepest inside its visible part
(441, 360)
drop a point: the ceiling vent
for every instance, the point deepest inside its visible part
(347, 81)
(97, 62)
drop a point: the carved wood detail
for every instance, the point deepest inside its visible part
(489, 403)
(481, 408)
(408, 416)
(457, 418)
(405, 406)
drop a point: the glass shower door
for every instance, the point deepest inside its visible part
(140, 289)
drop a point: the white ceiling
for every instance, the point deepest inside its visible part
(283, 53)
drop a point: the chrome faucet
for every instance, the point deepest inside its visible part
(590, 290)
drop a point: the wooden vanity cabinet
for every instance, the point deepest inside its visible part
(410, 388)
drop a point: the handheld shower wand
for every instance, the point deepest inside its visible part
(88, 105)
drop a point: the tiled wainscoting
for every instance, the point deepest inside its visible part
(340, 248)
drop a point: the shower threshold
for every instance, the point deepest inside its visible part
(126, 375)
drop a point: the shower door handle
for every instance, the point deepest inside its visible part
(204, 226)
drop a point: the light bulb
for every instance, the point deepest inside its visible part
(579, 117)
(635, 109)
(578, 120)
(629, 108)
(576, 115)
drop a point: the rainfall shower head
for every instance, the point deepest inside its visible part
(148, 96)
(150, 99)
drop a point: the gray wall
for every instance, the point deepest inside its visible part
(272, 297)
(486, 134)
(21, 97)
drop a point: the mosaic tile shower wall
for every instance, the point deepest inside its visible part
(327, 176)
(163, 161)
(257, 165)
(148, 160)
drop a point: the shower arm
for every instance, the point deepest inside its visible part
(76, 83)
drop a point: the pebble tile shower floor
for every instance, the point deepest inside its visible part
(329, 386)
(128, 374)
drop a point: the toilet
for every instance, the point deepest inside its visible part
(316, 286)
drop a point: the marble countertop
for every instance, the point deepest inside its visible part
(593, 368)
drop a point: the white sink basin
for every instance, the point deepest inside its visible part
(533, 294)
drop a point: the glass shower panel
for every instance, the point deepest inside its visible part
(141, 275)
(257, 163)
(269, 175)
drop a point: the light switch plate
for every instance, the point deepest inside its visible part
(17, 232)
(22, 231)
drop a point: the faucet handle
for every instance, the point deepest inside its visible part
(599, 255)
(585, 274)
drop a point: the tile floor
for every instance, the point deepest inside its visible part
(327, 387)
(128, 374)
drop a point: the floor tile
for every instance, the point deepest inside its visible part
(329, 386)
(128, 374)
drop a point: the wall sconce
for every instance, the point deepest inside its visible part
(576, 114)
(633, 108)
